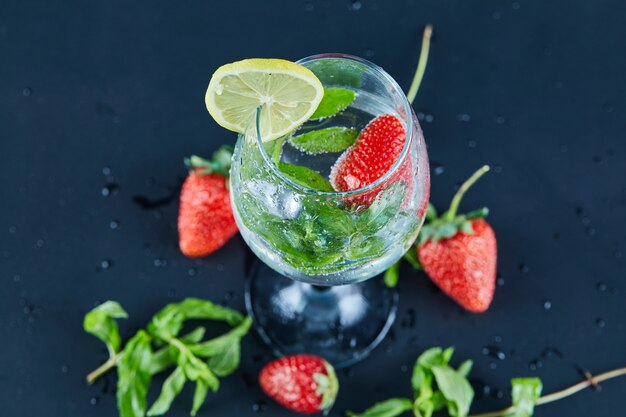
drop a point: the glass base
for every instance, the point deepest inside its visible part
(341, 324)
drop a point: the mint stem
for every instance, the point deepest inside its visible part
(421, 64)
(103, 369)
(561, 394)
(454, 205)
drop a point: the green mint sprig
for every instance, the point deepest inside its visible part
(438, 386)
(195, 360)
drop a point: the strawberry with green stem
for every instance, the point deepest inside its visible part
(458, 252)
(302, 383)
(205, 217)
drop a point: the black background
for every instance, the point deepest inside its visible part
(537, 89)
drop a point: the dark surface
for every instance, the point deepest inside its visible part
(119, 85)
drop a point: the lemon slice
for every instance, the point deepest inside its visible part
(288, 93)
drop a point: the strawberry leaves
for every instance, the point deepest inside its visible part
(195, 360)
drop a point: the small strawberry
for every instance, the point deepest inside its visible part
(205, 217)
(303, 383)
(376, 149)
(459, 252)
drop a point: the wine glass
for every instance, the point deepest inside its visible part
(319, 247)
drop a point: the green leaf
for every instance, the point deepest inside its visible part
(392, 275)
(331, 139)
(465, 368)
(194, 336)
(526, 392)
(455, 388)
(167, 323)
(335, 100)
(133, 373)
(305, 177)
(381, 211)
(365, 247)
(221, 343)
(172, 386)
(226, 361)
(101, 323)
(431, 212)
(389, 408)
(411, 257)
(199, 396)
(338, 71)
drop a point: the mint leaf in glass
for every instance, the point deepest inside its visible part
(305, 177)
(330, 139)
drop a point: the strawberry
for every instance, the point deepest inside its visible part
(459, 252)
(205, 217)
(376, 149)
(303, 383)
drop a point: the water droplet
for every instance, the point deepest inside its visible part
(497, 338)
(65, 369)
(17, 278)
(549, 352)
(259, 406)
(404, 369)
(229, 296)
(497, 169)
(355, 5)
(109, 189)
(158, 214)
(547, 305)
(12, 229)
(600, 322)
(40, 243)
(515, 5)
(471, 143)
(614, 291)
(114, 224)
(463, 117)
(437, 168)
(493, 365)
(523, 268)
(420, 116)
(172, 294)
(617, 254)
(601, 286)
(499, 394)
(494, 352)
(429, 118)
(219, 267)
(500, 281)
(106, 171)
(28, 309)
(563, 148)
(532, 366)
(369, 53)
(192, 272)
(585, 220)
(309, 7)
(27, 91)
(94, 400)
(106, 264)
(590, 231)
(500, 120)
(159, 262)
(496, 15)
